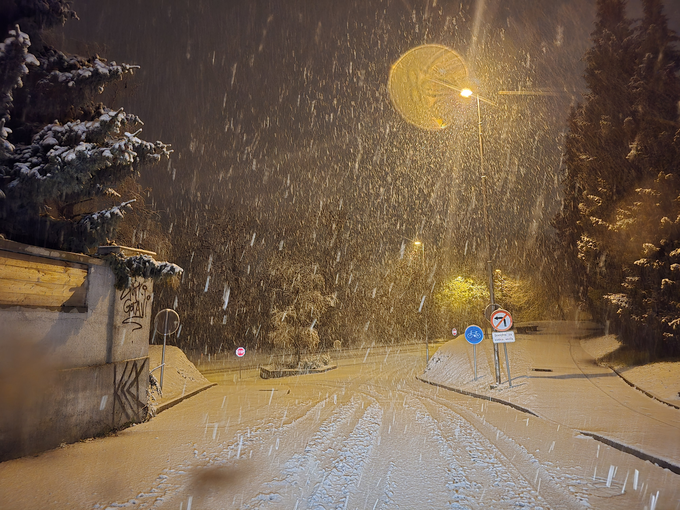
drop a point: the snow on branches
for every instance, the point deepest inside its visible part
(14, 61)
(61, 154)
(46, 13)
(79, 157)
(127, 268)
(75, 71)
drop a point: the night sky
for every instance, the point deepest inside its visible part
(280, 110)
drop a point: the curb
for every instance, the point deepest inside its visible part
(650, 395)
(171, 403)
(609, 442)
(634, 451)
(275, 373)
(483, 397)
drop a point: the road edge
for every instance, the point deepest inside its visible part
(171, 403)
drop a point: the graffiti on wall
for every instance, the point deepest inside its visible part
(136, 302)
(128, 388)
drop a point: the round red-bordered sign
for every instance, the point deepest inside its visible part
(240, 352)
(501, 320)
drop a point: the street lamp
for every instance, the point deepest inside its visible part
(466, 92)
(420, 84)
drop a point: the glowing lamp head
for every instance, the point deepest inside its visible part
(466, 93)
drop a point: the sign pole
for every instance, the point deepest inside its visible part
(240, 352)
(169, 321)
(474, 354)
(501, 320)
(507, 363)
(474, 335)
(163, 361)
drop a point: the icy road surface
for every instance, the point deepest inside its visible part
(367, 435)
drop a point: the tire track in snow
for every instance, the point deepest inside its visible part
(493, 481)
(335, 490)
(171, 481)
(512, 456)
(303, 470)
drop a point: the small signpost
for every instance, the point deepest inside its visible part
(167, 322)
(240, 352)
(474, 335)
(501, 321)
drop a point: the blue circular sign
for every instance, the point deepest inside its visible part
(474, 334)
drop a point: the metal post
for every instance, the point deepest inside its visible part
(487, 230)
(474, 355)
(427, 345)
(163, 361)
(507, 364)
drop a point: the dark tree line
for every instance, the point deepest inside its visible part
(619, 227)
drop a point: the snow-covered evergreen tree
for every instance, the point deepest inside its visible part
(59, 149)
(622, 186)
(597, 171)
(647, 225)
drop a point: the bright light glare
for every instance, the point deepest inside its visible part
(417, 243)
(466, 92)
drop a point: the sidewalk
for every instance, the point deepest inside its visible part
(181, 379)
(555, 377)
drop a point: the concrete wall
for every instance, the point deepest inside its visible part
(69, 372)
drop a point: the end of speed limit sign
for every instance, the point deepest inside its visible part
(501, 320)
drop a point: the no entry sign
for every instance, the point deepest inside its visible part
(240, 352)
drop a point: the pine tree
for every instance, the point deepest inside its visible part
(598, 174)
(55, 174)
(648, 221)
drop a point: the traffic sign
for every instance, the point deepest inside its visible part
(474, 334)
(501, 320)
(166, 321)
(491, 309)
(503, 337)
(454, 332)
(240, 352)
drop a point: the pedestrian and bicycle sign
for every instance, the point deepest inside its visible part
(474, 334)
(501, 320)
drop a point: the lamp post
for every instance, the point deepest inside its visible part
(420, 85)
(427, 345)
(489, 265)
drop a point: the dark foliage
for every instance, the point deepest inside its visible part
(619, 226)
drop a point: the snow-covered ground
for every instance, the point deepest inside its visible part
(368, 435)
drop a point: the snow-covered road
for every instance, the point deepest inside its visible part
(365, 436)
